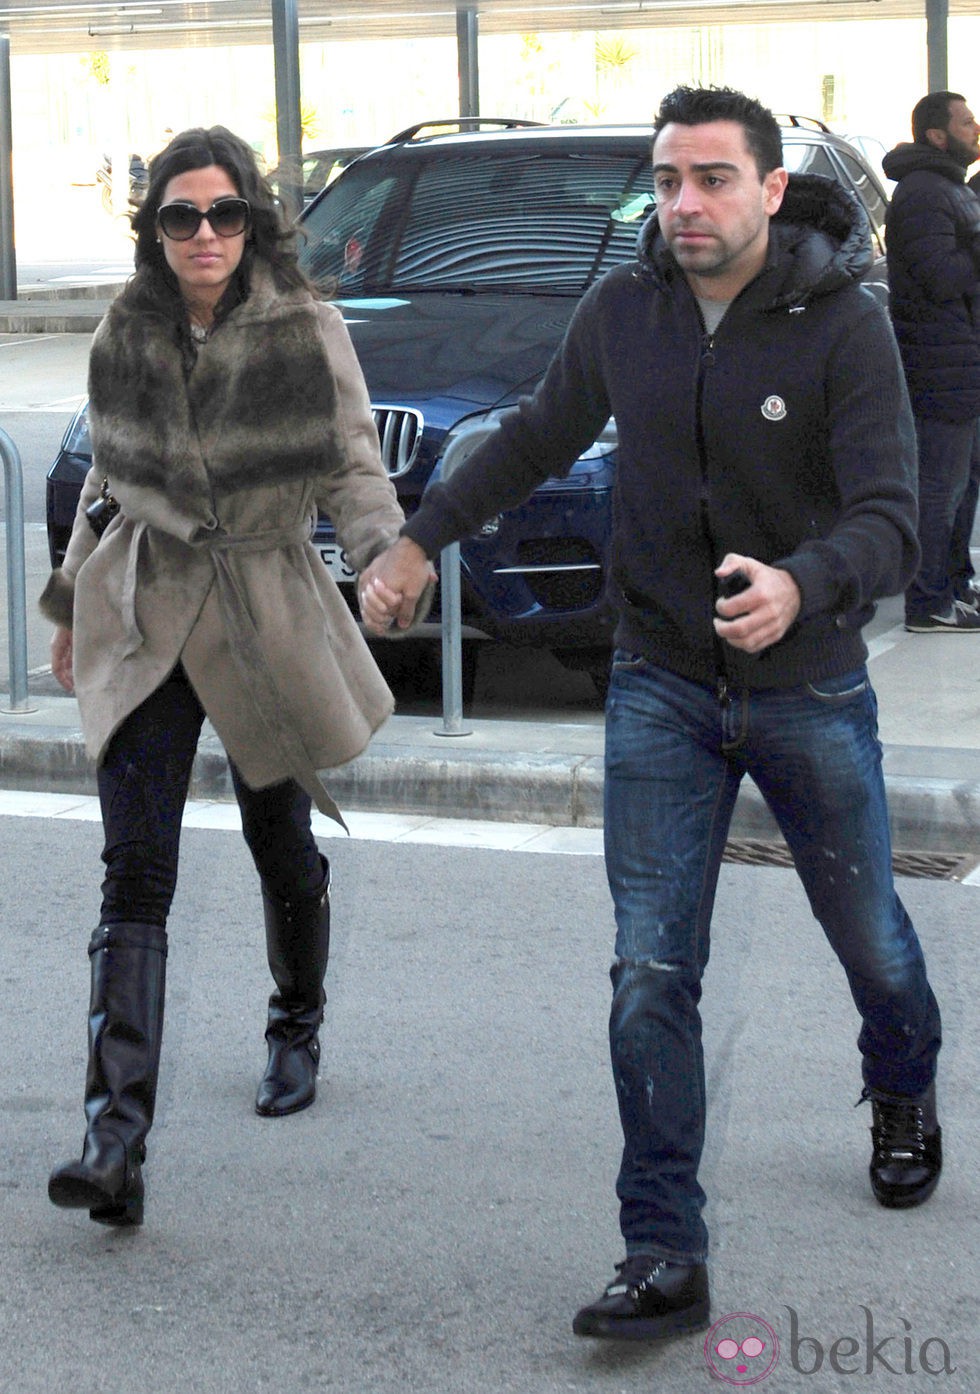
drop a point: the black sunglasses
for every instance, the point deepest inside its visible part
(180, 221)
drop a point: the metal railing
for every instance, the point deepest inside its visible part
(13, 475)
(450, 590)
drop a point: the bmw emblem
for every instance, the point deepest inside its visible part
(774, 408)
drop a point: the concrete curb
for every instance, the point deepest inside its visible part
(70, 309)
(92, 290)
(406, 773)
(64, 317)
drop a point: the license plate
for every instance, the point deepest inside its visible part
(335, 560)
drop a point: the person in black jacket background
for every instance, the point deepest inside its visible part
(765, 439)
(963, 574)
(933, 231)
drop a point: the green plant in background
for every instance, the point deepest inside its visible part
(96, 66)
(612, 55)
(310, 125)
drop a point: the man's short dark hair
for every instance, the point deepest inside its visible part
(932, 114)
(696, 106)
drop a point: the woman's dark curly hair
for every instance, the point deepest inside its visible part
(154, 286)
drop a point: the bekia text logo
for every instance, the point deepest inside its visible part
(742, 1349)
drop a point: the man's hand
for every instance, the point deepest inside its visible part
(759, 616)
(61, 657)
(389, 590)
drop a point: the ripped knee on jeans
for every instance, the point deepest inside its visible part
(651, 964)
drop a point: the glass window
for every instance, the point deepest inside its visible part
(800, 157)
(512, 222)
(343, 243)
(866, 190)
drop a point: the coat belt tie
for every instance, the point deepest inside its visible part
(246, 650)
(243, 639)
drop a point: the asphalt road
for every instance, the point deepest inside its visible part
(431, 1225)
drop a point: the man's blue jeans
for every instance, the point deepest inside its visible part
(675, 754)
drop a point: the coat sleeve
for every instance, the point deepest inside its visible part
(356, 494)
(872, 550)
(57, 601)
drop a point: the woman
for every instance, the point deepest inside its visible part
(226, 406)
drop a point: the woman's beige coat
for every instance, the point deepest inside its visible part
(219, 475)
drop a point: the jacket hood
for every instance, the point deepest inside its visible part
(910, 156)
(819, 241)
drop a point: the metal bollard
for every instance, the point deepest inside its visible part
(452, 644)
(13, 475)
(450, 590)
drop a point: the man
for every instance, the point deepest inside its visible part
(933, 230)
(764, 429)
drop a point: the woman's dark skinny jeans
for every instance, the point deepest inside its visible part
(143, 784)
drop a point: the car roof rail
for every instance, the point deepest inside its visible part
(461, 123)
(807, 123)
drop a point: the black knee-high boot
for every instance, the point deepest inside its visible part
(125, 1028)
(297, 936)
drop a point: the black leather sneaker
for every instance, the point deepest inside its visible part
(907, 1155)
(648, 1300)
(960, 618)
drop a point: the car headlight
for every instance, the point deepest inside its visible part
(76, 440)
(464, 439)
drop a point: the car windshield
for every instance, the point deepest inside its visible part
(541, 221)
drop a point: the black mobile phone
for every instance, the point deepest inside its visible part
(101, 513)
(733, 584)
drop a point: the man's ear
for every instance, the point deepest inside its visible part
(936, 136)
(773, 188)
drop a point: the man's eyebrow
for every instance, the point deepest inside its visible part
(698, 168)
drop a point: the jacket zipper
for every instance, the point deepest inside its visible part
(706, 362)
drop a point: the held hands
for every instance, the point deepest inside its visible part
(760, 615)
(389, 590)
(61, 657)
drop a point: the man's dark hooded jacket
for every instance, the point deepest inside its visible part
(785, 436)
(933, 232)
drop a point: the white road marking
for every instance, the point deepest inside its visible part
(364, 827)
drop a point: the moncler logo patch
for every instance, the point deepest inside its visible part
(774, 408)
